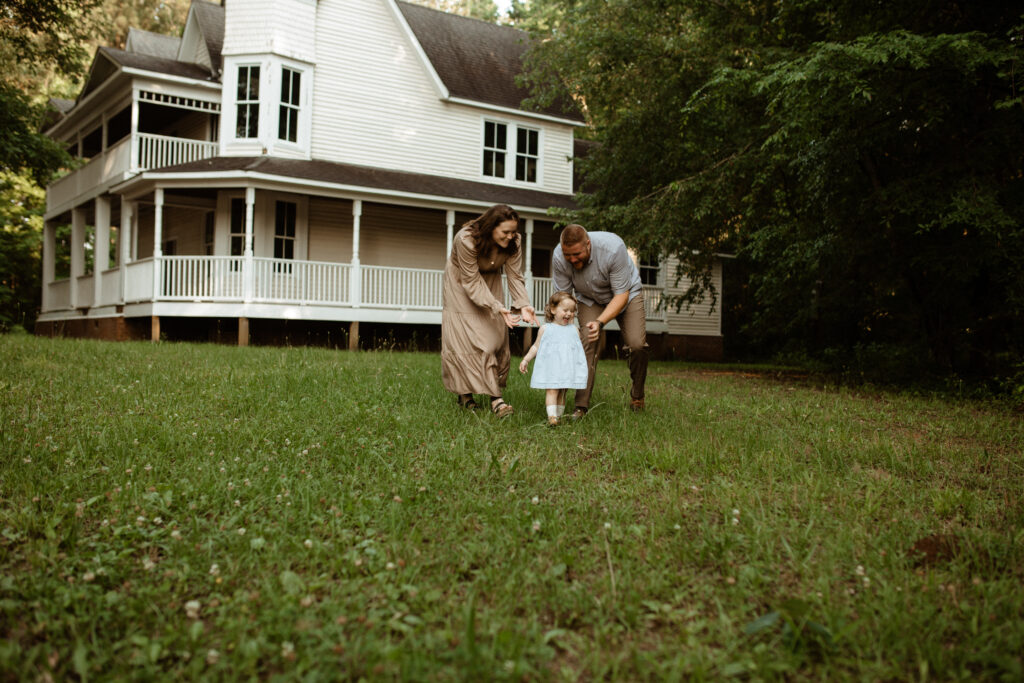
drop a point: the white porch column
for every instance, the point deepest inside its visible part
(49, 274)
(247, 254)
(158, 238)
(124, 242)
(355, 284)
(77, 254)
(101, 249)
(133, 162)
(450, 220)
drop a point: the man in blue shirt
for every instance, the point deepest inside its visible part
(597, 269)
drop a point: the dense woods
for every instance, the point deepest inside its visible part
(863, 163)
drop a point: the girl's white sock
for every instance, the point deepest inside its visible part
(559, 410)
(553, 411)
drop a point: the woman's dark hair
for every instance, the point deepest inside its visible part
(483, 225)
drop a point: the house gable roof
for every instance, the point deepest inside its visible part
(209, 21)
(153, 44)
(352, 175)
(476, 60)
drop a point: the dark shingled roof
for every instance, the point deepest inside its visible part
(157, 64)
(211, 23)
(475, 60)
(154, 44)
(377, 178)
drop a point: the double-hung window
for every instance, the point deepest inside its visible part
(511, 152)
(495, 148)
(650, 268)
(237, 235)
(288, 113)
(247, 103)
(527, 153)
(284, 234)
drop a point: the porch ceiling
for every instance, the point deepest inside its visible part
(350, 175)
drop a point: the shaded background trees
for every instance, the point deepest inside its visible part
(863, 164)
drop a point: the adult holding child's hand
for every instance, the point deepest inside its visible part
(475, 356)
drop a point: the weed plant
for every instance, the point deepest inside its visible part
(209, 512)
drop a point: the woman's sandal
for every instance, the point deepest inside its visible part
(467, 402)
(500, 408)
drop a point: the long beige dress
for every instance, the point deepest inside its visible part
(474, 338)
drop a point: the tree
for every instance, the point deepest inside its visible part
(476, 9)
(866, 166)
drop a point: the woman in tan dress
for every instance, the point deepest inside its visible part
(474, 320)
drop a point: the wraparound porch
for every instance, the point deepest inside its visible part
(285, 289)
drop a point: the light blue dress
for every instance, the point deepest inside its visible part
(560, 362)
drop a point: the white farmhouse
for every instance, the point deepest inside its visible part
(291, 164)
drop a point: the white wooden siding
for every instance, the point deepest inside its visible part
(330, 230)
(699, 319)
(375, 104)
(186, 227)
(402, 237)
(281, 27)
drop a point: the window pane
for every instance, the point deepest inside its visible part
(521, 141)
(531, 170)
(488, 162)
(534, 138)
(488, 134)
(502, 131)
(499, 165)
(236, 245)
(293, 125)
(254, 83)
(243, 83)
(237, 215)
(296, 87)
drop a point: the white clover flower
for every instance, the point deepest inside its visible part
(308, 543)
(88, 576)
(677, 527)
(192, 609)
(148, 468)
(735, 520)
(214, 569)
(735, 512)
(287, 649)
(158, 520)
(231, 486)
(307, 601)
(867, 581)
(535, 500)
(176, 535)
(607, 525)
(536, 525)
(148, 564)
(241, 531)
(238, 503)
(860, 570)
(389, 566)
(212, 656)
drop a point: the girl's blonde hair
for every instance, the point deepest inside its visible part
(556, 298)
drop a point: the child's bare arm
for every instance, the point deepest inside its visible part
(531, 354)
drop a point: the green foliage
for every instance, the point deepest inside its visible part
(21, 206)
(865, 167)
(203, 512)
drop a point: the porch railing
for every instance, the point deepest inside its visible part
(157, 151)
(403, 288)
(268, 280)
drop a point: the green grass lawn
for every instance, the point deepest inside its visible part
(206, 511)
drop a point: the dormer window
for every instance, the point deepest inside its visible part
(524, 167)
(288, 114)
(247, 119)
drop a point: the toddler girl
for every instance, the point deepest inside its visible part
(561, 363)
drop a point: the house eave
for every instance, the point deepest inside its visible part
(144, 182)
(115, 80)
(516, 112)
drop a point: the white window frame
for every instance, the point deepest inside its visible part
(248, 103)
(289, 110)
(511, 152)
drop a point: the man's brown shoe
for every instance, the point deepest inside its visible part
(579, 413)
(636, 405)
